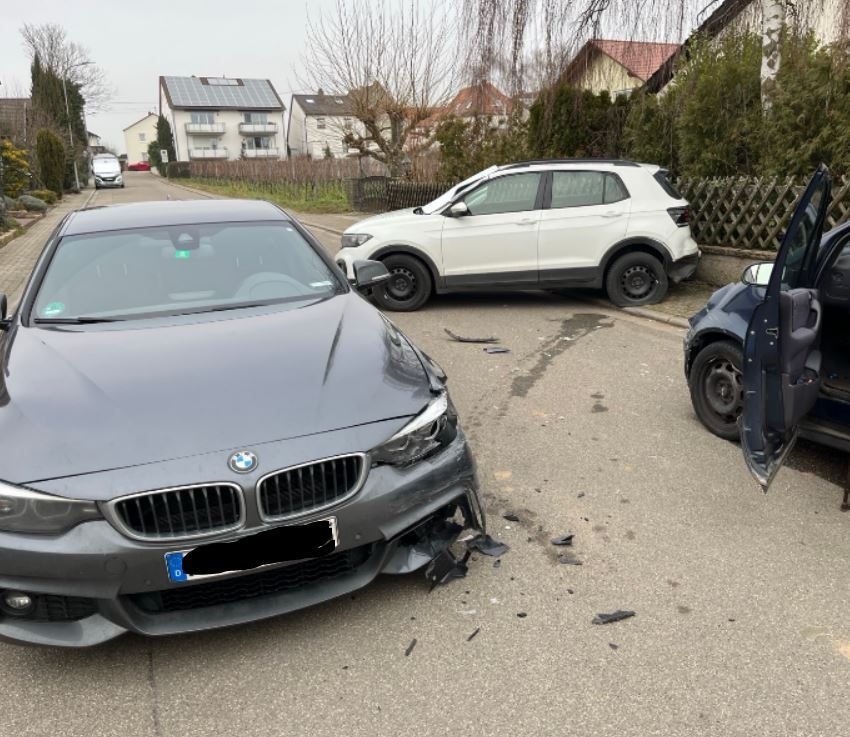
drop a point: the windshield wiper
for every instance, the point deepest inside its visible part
(417, 210)
(85, 320)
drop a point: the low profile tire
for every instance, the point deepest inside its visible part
(636, 279)
(717, 388)
(408, 287)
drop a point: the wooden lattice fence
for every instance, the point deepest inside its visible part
(751, 213)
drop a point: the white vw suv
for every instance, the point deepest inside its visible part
(534, 225)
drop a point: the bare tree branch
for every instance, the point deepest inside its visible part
(395, 61)
(69, 60)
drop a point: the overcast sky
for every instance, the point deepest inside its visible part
(137, 42)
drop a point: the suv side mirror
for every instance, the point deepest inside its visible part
(758, 275)
(369, 273)
(458, 210)
(4, 308)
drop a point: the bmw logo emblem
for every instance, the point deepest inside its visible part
(242, 461)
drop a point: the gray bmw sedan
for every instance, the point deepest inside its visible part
(205, 424)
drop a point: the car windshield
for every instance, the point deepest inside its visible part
(450, 194)
(149, 272)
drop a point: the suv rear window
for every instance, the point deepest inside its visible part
(662, 176)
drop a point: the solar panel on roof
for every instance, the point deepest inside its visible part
(192, 92)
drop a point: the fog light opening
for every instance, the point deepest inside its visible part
(17, 603)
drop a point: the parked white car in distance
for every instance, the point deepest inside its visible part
(552, 224)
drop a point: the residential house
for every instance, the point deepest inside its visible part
(477, 101)
(829, 20)
(482, 101)
(15, 119)
(95, 144)
(318, 124)
(616, 66)
(223, 117)
(138, 136)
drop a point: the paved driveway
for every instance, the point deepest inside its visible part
(742, 599)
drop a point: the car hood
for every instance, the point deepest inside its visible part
(77, 400)
(393, 219)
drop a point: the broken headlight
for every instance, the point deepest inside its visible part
(432, 429)
(25, 510)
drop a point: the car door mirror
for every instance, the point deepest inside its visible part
(458, 210)
(369, 273)
(758, 275)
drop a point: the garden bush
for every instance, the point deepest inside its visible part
(32, 204)
(11, 203)
(51, 160)
(48, 195)
(16, 168)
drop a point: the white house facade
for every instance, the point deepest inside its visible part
(319, 123)
(223, 118)
(137, 138)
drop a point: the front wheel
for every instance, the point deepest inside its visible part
(636, 279)
(408, 287)
(717, 388)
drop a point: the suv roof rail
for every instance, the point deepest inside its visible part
(531, 162)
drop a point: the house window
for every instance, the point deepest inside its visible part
(320, 123)
(346, 123)
(202, 117)
(142, 137)
(204, 142)
(255, 117)
(258, 142)
(144, 155)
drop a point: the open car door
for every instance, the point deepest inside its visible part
(782, 363)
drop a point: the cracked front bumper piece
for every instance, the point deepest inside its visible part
(92, 583)
(684, 268)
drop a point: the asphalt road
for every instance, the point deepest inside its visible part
(742, 599)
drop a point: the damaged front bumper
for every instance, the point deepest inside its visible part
(93, 584)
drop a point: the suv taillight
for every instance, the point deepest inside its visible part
(681, 215)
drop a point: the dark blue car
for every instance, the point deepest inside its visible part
(768, 358)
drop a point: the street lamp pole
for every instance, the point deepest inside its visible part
(68, 116)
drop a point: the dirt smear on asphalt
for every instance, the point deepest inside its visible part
(572, 330)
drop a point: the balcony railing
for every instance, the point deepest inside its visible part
(261, 153)
(249, 129)
(205, 128)
(207, 153)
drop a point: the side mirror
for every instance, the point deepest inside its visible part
(458, 210)
(4, 308)
(368, 274)
(758, 275)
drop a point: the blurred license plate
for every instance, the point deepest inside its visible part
(291, 542)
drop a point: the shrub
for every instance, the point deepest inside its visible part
(470, 146)
(16, 168)
(32, 204)
(565, 121)
(48, 195)
(178, 170)
(11, 204)
(51, 160)
(810, 106)
(719, 124)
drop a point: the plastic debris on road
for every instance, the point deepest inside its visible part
(462, 339)
(487, 545)
(613, 616)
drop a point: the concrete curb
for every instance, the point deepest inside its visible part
(678, 322)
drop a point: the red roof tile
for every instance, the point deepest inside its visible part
(641, 58)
